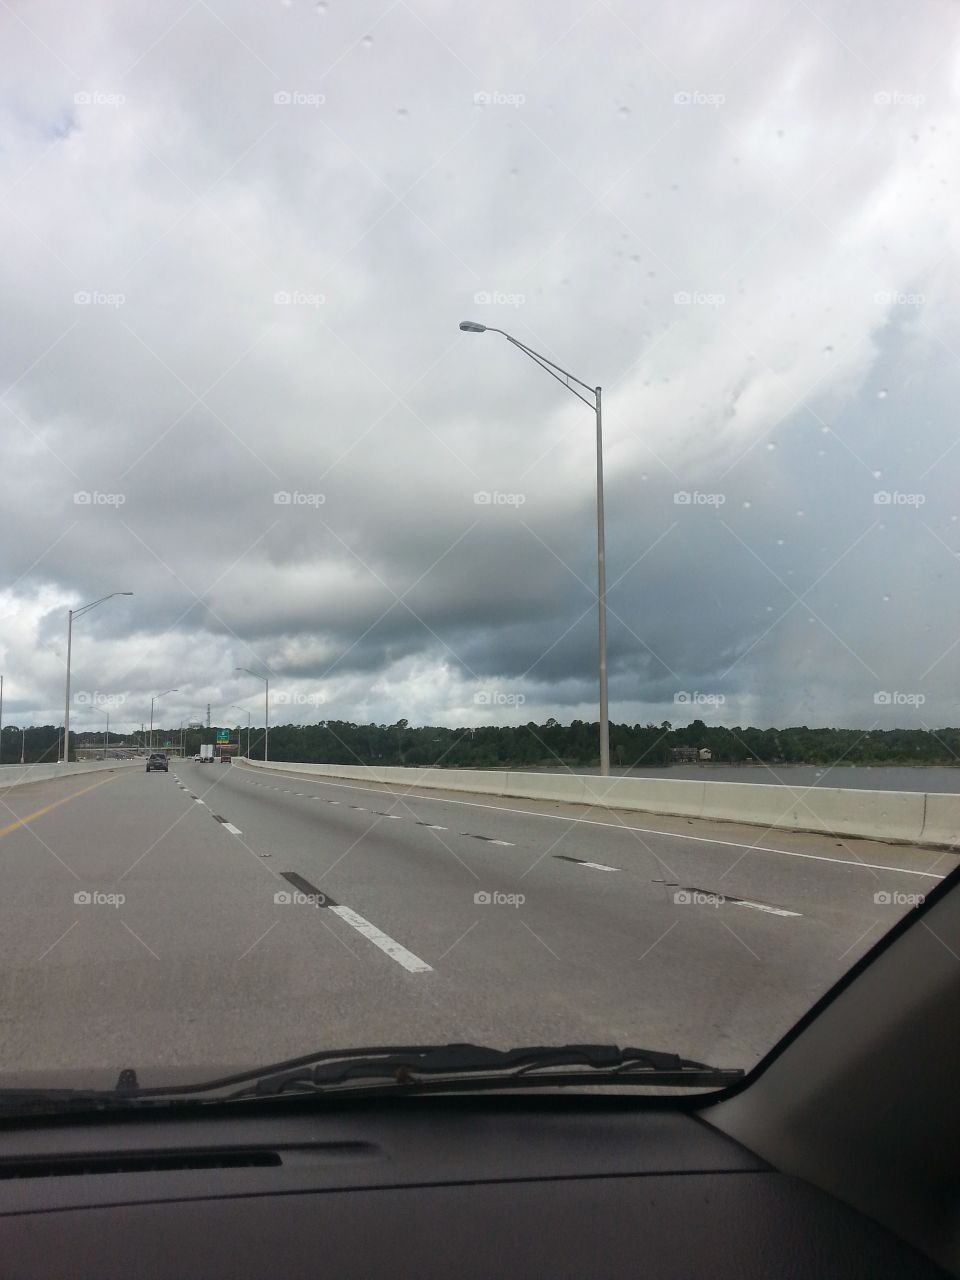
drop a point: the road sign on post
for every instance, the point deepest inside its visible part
(223, 735)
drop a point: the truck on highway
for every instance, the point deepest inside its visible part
(206, 753)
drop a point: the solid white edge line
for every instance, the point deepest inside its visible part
(648, 831)
(382, 940)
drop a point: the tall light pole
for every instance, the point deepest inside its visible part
(71, 614)
(562, 376)
(266, 711)
(152, 701)
(234, 707)
(1, 719)
(23, 744)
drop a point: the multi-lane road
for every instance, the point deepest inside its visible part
(219, 917)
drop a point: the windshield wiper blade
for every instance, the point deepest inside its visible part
(395, 1068)
(471, 1065)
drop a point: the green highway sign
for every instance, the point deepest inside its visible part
(223, 735)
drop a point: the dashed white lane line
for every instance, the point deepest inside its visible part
(762, 906)
(382, 940)
(649, 831)
(599, 866)
(234, 831)
(199, 801)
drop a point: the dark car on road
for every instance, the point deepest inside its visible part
(158, 761)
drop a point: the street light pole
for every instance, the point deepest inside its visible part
(1, 719)
(152, 701)
(266, 711)
(562, 376)
(71, 614)
(234, 707)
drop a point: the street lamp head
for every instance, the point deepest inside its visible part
(471, 326)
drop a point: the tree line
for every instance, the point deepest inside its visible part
(531, 745)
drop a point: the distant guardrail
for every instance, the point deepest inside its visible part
(904, 817)
(13, 775)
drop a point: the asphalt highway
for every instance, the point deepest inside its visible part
(217, 916)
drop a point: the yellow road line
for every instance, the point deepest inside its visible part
(22, 822)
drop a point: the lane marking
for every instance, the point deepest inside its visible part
(728, 899)
(581, 862)
(22, 822)
(234, 831)
(388, 945)
(649, 831)
(761, 906)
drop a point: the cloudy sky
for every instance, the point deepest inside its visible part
(237, 242)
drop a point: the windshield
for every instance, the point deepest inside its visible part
(480, 534)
